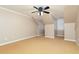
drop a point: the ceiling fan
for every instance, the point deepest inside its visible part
(41, 10)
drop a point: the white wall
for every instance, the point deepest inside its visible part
(77, 27)
(49, 30)
(40, 25)
(14, 26)
(55, 27)
(40, 29)
(69, 31)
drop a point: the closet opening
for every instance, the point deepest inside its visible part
(59, 27)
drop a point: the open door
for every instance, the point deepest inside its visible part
(59, 28)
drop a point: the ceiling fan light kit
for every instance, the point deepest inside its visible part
(41, 13)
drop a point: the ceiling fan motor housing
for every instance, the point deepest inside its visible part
(40, 9)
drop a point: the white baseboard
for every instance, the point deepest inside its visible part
(38, 35)
(73, 41)
(60, 35)
(49, 37)
(70, 40)
(16, 40)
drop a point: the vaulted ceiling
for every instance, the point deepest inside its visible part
(56, 11)
(70, 13)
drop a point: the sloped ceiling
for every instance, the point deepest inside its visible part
(56, 11)
(70, 13)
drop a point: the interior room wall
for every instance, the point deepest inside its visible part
(77, 27)
(14, 26)
(40, 28)
(55, 26)
(70, 13)
(40, 25)
(49, 28)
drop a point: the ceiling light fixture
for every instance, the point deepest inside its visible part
(41, 10)
(40, 13)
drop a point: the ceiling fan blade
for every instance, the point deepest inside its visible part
(46, 12)
(46, 8)
(35, 7)
(34, 11)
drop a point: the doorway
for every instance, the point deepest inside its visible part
(59, 27)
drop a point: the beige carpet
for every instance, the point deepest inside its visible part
(41, 45)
